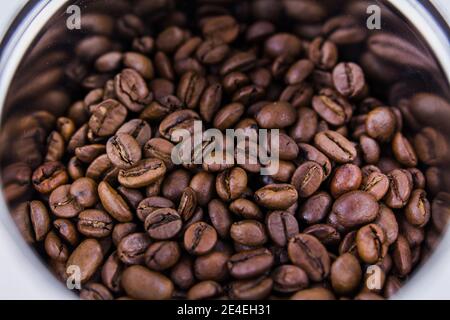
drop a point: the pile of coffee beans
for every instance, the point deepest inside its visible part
(344, 217)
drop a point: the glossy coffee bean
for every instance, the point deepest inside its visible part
(371, 243)
(141, 283)
(276, 196)
(281, 227)
(335, 146)
(307, 178)
(355, 208)
(163, 224)
(143, 173)
(346, 274)
(114, 203)
(88, 257)
(200, 238)
(162, 255)
(131, 248)
(248, 232)
(94, 223)
(230, 184)
(123, 150)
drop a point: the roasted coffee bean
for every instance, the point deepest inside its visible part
(276, 196)
(310, 153)
(299, 71)
(401, 256)
(94, 223)
(346, 274)
(141, 283)
(138, 129)
(88, 257)
(220, 217)
(332, 107)
(377, 184)
(89, 152)
(276, 115)
(123, 150)
(325, 233)
(121, 230)
(370, 149)
(388, 222)
(283, 44)
(305, 127)
(102, 169)
(225, 28)
(289, 278)
(182, 274)
(252, 289)
(63, 204)
(308, 253)
(371, 243)
(131, 89)
(175, 183)
(418, 209)
(182, 119)
(204, 290)
(131, 248)
(143, 173)
(380, 124)
(203, 186)
(140, 63)
(248, 232)
(33, 220)
(431, 147)
(403, 151)
(355, 208)
(348, 79)
(113, 202)
(213, 265)
(161, 107)
(67, 231)
(107, 117)
(190, 89)
(49, 176)
(210, 102)
(55, 248)
(400, 187)
(95, 291)
(315, 208)
(200, 238)
(317, 293)
(112, 273)
(231, 183)
(228, 116)
(323, 53)
(163, 224)
(148, 205)
(307, 178)
(281, 226)
(335, 146)
(250, 264)
(347, 177)
(162, 255)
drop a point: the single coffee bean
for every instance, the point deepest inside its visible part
(140, 63)
(107, 117)
(276, 196)
(190, 89)
(308, 253)
(204, 290)
(400, 187)
(95, 291)
(418, 209)
(388, 222)
(123, 150)
(220, 217)
(162, 255)
(67, 231)
(377, 184)
(175, 183)
(307, 178)
(55, 248)
(225, 28)
(346, 274)
(323, 53)
(370, 149)
(299, 71)
(252, 289)
(63, 204)
(371, 243)
(347, 177)
(248, 232)
(380, 124)
(141, 283)
(310, 153)
(283, 44)
(112, 272)
(210, 102)
(355, 208)
(289, 278)
(332, 107)
(143, 173)
(200, 238)
(138, 129)
(131, 90)
(276, 115)
(238, 62)
(49, 176)
(94, 223)
(150, 204)
(250, 264)
(401, 256)
(181, 119)
(325, 233)
(163, 224)
(335, 146)
(213, 265)
(348, 79)
(131, 248)
(315, 208)
(306, 126)
(403, 151)
(203, 185)
(113, 202)
(182, 274)
(318, 293)
(431, 147)
(281, 226)
(88, 257)
(231, 183)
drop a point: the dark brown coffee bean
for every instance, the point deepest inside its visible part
(182, 274)
(94, 223)
(131, 248)
(163, 224)
(250, 264)
(148, 205)
(346, 274)
(107, 117)
(344, 30)
(182, 119)
(220, 217)
(140, 63)
(66, 230)
(231, 183)
(377, 184)
(204, 290)
(248, 232)
(123, 150)
(298, 95)
(213, 265)
(401, 256)
(307, 178)
(63, 204)
(222, 27)
(431, 147)
(143, 173)
(276, 196)
(161, 107)
(323, 53)
(281, 226)
(95, 291)
(108, 62)
(200, 238)
(131, 89)
(370, 149)
(355, 208)
(49, 176)
(332, 107)
(308, 253)
(90, 152)
(276, 115)
(347, 177)
(252, 289)
(203, 185)
(289, 278)
(112, 273)
(88, 256)
(241, 62)
(403, 151)
(113, 202)
(318, 293)
(315, 208)
(400, 187)
(138, 129)
(380, 124)
(175, 183)
(348, 79)
(210, 102)
(418, 209)
(335, 146)
(55, 248)
(371, 243)
(283, 44)
(299, 71)
(141, 283)
(388, 222)
(162, 255)
(310, 153)
(325, 233)
(190, 89)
